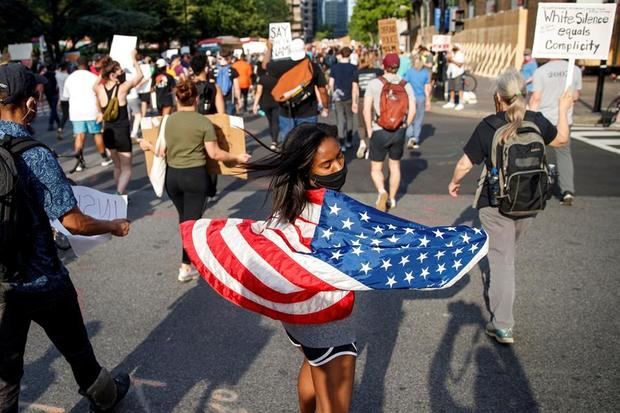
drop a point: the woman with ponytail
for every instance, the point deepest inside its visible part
(504, 231)
(189, 140)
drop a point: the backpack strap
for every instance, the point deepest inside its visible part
(383, 80)
(21, 145)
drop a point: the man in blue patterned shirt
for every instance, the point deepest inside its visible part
(44, 292)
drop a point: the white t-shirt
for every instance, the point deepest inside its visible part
(550, 80)
(79, 91)
(60, 79)
(374, 91)
(454, 69)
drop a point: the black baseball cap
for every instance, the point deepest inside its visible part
(17, 82)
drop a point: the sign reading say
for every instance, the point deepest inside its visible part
(388, 34)
(573, 30)
(281, 38)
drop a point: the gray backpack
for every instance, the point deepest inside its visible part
(523, 184)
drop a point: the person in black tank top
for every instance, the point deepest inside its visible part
(116, 131)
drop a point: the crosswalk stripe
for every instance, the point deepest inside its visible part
(590, 137)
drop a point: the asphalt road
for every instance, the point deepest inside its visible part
(188, 350)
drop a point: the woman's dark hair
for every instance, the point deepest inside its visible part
(186, 92)
(108, 66)
(198, 64)
(290, 169)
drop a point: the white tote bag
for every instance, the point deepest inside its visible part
(158, 169)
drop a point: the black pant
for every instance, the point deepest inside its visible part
(244, 96)
(53, 103)
(58, 312)
(64, 107)
(272, 115)
(188, 189)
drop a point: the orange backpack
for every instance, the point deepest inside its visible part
(295, 85)
(393, 105)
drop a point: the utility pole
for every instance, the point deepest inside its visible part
(600, 83)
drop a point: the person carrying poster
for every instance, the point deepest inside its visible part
(548, 84)
(34, 283)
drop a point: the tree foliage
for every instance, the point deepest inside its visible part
(366, 13)
(155, 21)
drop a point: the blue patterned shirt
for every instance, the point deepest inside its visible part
(45, 182)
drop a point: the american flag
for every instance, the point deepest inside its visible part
(306, 272)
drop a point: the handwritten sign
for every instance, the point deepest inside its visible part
(388, 34)
(573, 30)
(441, 43)
(21, 51)
(121, 49)
(281, 38)
(98, 205)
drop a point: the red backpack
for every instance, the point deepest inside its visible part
(393, 106)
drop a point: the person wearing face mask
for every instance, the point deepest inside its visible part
(116, 133)
(34, 283)
(302, 265)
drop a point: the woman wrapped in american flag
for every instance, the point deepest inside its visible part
(303, 264)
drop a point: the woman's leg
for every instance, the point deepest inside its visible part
(305, 389)
(125, 171)
(117, 165)
(419, 118)
(175, 192)
(333, 384)
(195, 188)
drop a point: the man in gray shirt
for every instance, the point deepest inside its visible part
(549, 82)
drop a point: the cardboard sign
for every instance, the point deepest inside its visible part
(573, 30)
(388, 34)
(121, 49)
(230, 137)
(441, 43)
(21, 51)
(98, 205)
(281, 38)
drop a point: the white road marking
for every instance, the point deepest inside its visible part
(592, 136)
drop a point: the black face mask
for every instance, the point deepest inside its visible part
(122, 78)
(333, 181)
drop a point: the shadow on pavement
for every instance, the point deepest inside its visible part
(500, 383)
(202, 346)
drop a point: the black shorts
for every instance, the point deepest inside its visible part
(145, 97)
(319, 356)
(384, 143)
(117, 138)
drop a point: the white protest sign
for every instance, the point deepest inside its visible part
(98, 205)
(573, 30)
(185, 50)
(441, 43)
(21, 51)
(171, 52)
(122, 47)
(281, 38)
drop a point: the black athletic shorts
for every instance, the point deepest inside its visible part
(117, 138)
(456, 84)
(384, 143)
(319, 356)
(145, 97)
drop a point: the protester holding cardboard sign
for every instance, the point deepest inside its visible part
(189, 140)
(113, 92)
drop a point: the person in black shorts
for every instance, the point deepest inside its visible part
(116, 131)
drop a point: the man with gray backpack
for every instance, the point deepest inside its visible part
(34, 284)
(514, 186)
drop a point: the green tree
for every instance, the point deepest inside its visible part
(367, 13)
(324, 31)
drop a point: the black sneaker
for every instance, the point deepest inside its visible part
(123, 382)
(567, 198)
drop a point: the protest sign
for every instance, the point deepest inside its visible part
(171, 52)
(185, 50)
(21, 51)
(98, 205)
(230, 137)
(573, 31)
(281, 38)
(441, 43)
(121, 49)
(388, 34)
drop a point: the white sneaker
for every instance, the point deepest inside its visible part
(106, 161)
(186, 276)
(79, 168)
(459, 107)
(361, 150)
(448, 105)
(391, 204)
(412, 144)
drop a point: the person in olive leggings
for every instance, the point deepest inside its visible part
(190, 139)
